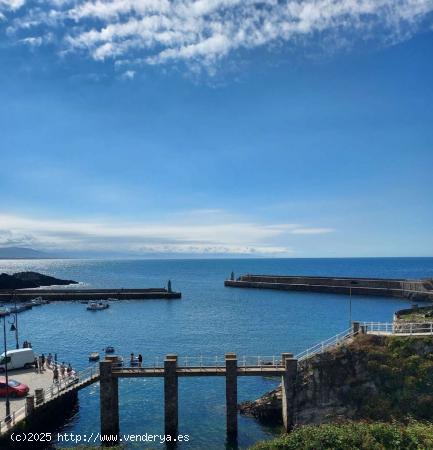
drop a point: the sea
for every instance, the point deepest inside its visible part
(209, 321)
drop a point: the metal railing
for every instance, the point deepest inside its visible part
(325, 345)
(201, 362)
(399, 327)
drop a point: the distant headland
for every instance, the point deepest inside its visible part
(26, 280)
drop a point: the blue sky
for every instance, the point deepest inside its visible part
(217, 127)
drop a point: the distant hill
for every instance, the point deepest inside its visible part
(21, 253)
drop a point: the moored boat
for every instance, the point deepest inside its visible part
(94, 356)
(97, 306)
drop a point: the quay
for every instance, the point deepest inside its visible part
(48, 400)
(417, 290)
(88, 294)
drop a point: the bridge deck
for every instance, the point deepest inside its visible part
(141, 372)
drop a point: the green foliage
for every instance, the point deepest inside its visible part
(401, 370)
(354, 436)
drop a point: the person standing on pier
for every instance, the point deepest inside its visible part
(131, 362)
(55, 375)
(62, 369)
(140, 360)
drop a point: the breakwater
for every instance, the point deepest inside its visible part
(88, 294)
(419, 290)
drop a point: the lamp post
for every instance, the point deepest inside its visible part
(14, 324)
(8, 406)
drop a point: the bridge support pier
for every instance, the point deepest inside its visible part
(232, 394)
(109, 402)
(288, 390)
(171, 399)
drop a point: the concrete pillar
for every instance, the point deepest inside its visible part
(363, 329)
(288, 392)
(39, 395)
(232, 394)
(109, 402)
(171, 398)
(356, 327)
(30, 404)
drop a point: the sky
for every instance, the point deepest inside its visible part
(217, 128)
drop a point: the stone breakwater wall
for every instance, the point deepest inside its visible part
(412, 289)
(88, 294)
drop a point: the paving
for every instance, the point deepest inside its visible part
(33, 379)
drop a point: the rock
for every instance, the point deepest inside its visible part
(25, 280)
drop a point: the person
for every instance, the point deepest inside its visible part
(140, 360)
(132, 359)
(25, 344)
(43, 360)
(49, 359)
(69, 370)
(35, 363)
(62, 369)
(40, 365)
(55, 375)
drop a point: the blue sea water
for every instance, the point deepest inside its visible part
(209, 320)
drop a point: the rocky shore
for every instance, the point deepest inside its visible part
(28, 280)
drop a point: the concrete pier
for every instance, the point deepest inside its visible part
(171, 396)
(87, 294)
(109, 401)
(421, 290)
(232, 394)
(288, 390)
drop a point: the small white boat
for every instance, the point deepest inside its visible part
(38, 301)
(97, 306)
(94, 356)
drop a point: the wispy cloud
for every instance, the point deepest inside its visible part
(204, 234)
(205, 31)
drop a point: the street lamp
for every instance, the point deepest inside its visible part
(14, 324)
(8, 406)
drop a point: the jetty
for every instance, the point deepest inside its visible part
(416, 290)
(88, 294)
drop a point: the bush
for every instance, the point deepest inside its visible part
(355, 436)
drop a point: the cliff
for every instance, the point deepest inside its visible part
(372, 378)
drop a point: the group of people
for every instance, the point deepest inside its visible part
(27, 344)
(42, 362)
(60, 371)
(136, 360)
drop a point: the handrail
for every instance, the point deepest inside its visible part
(324, 345)
(399, 327)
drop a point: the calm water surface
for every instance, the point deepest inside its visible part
(209, 320)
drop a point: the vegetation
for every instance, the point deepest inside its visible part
(402, 372)
(354, 436)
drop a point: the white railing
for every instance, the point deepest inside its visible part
(399, 327)
(15, 417)
(325, 345)
(202, 361)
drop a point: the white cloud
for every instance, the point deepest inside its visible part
(205, 31)
(12, 4)
(198, 232)
(307, 230)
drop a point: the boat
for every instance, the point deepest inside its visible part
(97, 306)
(109, 349)
(94, 356)
(38, 301)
